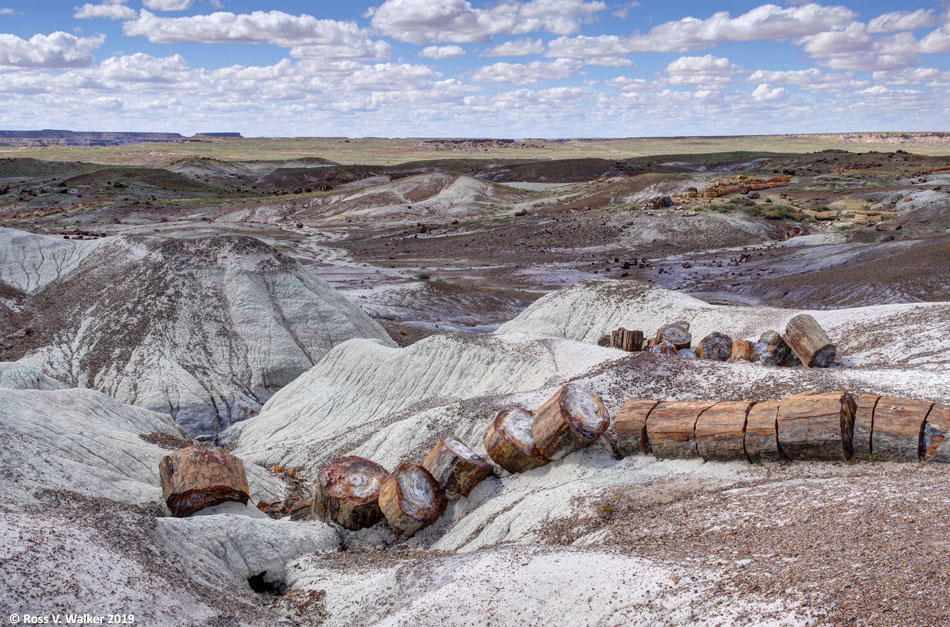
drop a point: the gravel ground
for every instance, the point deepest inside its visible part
(856, 544)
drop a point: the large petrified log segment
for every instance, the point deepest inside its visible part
(411, 499)
(720, 431)
(805, 336)
(346, 493)
(772, 350)
(898, 425)
(570, 420)
(742, 350)
(671, 428)
(816, 426)
(456, 467)
(864, 425)
(761, 438)
(627, 340)
(716, 346)
(508, 441)
(197, 477)
(936, 430)
(676, 334)
(630, 424)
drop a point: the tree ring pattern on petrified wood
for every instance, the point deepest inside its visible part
(570, 420)
(456, 467)
(196, 477)
(817, 426)
(346, 492)
(411, 499)
(509, 442)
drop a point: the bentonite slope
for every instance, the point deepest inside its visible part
(203, 329)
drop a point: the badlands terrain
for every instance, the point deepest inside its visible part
(294, 305)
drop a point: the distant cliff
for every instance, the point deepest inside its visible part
(54, 137)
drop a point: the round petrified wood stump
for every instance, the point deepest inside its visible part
(631, 426)
(742, 350)
(716, 346)
(197, 477)
(570, 420)
(720, 431)
(864, 425)
(664, 348)
(898, 426)
(456, 467)
(671, 428)
(508, 441)
(676, 334)
(761, 438)
(809, 341)
(817, 426)
(347, 491)
(936, 430)
(772, 350)
(411, 499)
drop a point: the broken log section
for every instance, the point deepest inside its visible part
(816, 426)
(346, 493)
(676, 334)
(898, 427)
(508, 441)
(626, 340)
(936, 430)
(864, 425)
(196, 477)
(630, 425)
(720, 431)
(411, 499)
(761, 437)
(570, 420)
(671, 428)
(716, 346)
(809, 341)
(742, 350)
(456, 467)
(772, 350)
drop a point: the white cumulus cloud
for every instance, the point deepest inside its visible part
(54, 51)
(527, 73)
(764, 93)
(515, 48)
(113, 10)
(441, 52)
(167, 5)
(902, 20)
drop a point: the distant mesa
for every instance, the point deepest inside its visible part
(55, 137)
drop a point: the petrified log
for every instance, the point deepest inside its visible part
(809, 341)
(676, 333)
(687, 353)
(936, 430)
(720, 431)
(196, 477)
(664, 348)
(570, 420)
(630, 424)
(716, 346)
(761, 438)
(346, 493)
(742, 350)
(816, 426)
(898, 425)
(411, 499)
(627, 340)
(772, 350)
(864, 425)
(671, 428)
(456, 467)
(508, 441)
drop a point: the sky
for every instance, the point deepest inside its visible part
(463, 68)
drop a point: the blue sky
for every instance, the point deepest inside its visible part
(516, 68)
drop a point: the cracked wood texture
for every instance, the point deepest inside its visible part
(346, 493)
(676, 334)
(898, 426)
(630, 425)
(772, 350)
(864, 425)
(761, 438)
(720, 431)
(509, 442)
(196, 477)
(627, 340)
(742, 350)
(456, 467)
(671, 428)
(805, 336)
(568, 421)
(816, 426)
(411, 499)
(936, 430)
